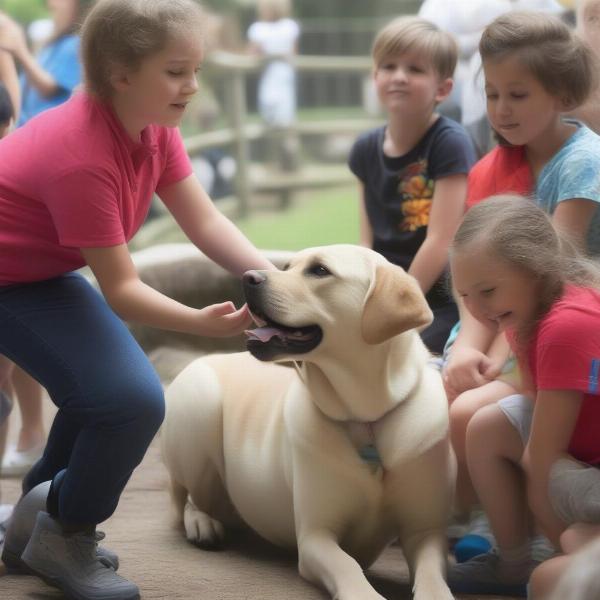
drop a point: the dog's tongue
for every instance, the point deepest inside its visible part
(263, 334)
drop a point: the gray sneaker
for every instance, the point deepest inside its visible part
(481, 575)
(69, 562)
(19, 527)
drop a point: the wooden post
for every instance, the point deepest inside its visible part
(238, 119)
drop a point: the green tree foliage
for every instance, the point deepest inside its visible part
(24, 11)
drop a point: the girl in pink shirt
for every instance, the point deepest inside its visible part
(75, 185)
(535, 454)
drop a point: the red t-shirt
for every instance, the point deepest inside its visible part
(502, 170)
(564, 354)
(72, 178)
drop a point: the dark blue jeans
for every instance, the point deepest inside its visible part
(109, 398)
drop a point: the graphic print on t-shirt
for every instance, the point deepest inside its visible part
(593, 379)
(416, 193)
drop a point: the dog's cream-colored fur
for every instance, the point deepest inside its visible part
(280, 449)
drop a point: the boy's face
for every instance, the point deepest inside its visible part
(408, 84)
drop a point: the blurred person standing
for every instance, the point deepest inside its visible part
(48, 79)
(275, 36)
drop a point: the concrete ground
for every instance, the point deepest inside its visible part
(164, 565)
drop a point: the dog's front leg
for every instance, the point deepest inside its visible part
(426, 556)
(322, 561)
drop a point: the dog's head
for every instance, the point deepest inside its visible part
(330, 296)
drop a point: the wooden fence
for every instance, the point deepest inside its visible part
(234, 70)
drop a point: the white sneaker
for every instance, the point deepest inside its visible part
(17, 463)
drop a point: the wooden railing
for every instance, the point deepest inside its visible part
(234, 69)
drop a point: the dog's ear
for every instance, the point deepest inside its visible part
(395, 304)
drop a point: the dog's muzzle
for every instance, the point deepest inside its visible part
(271, 339)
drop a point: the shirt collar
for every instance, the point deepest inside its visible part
(147, 145)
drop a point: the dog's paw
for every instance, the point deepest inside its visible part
(432, 592)
(202, 530)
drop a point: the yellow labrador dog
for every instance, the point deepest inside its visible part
(290, 452)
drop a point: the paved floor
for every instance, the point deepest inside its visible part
(164, 565)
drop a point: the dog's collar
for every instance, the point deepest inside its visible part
(367, 450)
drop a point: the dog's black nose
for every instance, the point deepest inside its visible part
(254, 278)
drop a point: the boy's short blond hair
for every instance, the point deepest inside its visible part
(414, 34)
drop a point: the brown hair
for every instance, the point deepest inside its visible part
(517, 231)
(563, 63)
(416, 34)
(273, 10)
(125, 32)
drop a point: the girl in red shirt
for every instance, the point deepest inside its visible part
(516, 275)
(76, 183)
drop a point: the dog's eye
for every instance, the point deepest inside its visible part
(318, 270)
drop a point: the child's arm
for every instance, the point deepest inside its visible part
(366, 232)
(8, 71)
(498, 353)
(554, 419)
(468, 365)
(16, 44)
(133, 300)
(573, 217)
(447, 209)
(215, 235)
(209, 229)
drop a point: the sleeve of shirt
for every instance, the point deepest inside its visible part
(65, 67)
(177, 162)
(452, 153)
(84, 208)
(358, 158)
(568, 357)
(579, 175)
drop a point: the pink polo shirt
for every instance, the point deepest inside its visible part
(72, 178)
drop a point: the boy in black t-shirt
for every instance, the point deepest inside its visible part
(413, 171)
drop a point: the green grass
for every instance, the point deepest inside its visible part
(314, 219)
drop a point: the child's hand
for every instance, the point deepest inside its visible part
(467, 368)
(223, 320)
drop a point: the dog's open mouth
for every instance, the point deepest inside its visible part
(271, 339)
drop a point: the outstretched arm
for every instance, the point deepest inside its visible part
(133, 300)
(209, 229)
